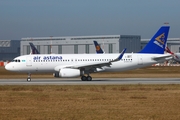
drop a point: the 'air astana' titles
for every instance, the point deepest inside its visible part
(47, 57)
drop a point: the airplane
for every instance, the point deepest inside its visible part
(75, 65)
(98, 48)
(33, 48)
(176, 56)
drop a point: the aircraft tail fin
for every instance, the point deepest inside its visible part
(98, 48)
(175, 55)
(168, 50)
(158, 42)
(33, 48)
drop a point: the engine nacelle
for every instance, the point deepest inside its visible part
(68, 72)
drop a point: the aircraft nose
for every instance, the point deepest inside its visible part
(9, 67)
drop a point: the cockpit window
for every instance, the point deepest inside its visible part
(16, 60)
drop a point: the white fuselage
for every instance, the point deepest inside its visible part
(53, 62)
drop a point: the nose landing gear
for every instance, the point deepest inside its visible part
(29, 77)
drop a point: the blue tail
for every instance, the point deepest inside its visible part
(158, 42)
(33, 48)
(98, 48)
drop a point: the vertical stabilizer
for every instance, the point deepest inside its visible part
(158, 42)
(98, 47)
(33, 48)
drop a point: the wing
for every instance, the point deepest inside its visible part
(91, 67)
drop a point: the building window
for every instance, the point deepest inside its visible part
(49, 49)
(87, 49)
(59, 49)
(75, 49)
(38, 48)
(141, 47)
(28, 50)
(110, 48)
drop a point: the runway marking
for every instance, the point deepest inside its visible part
(95, 81)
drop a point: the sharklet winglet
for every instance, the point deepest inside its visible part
(120, 56)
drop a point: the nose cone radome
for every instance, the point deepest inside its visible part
(9, 67)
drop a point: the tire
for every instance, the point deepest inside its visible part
(83, 78)
(29, 79)
(89, 78)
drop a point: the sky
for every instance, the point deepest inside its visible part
(60, 18)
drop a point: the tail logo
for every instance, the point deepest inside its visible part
(97, 47)
(160, 40)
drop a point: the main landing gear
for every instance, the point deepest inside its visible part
(29, 77)
(83, 78)
(86, 78)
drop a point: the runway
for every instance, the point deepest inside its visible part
(95, 81)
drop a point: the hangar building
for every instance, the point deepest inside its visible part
(82, 44)
(9, 49)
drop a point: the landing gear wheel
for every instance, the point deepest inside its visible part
(28, 79)
(89, 78)
(83, 78)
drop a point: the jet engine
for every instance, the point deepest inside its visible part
(68, 72)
